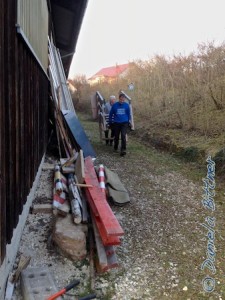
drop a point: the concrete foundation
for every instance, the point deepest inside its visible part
(37, 284)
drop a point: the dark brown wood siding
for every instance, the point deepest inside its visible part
(23, 121)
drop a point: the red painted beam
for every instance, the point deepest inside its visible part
(98, 203)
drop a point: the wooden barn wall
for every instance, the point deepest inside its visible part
(23, 121)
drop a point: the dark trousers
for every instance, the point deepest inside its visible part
(120, 128)
(111, 136)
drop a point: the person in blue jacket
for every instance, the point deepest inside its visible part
(119, 119)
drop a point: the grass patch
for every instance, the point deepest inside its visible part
(186, 238)
(189, 154)
(161, 161)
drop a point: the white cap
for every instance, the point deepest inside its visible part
(112, 97)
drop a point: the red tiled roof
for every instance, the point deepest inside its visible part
(111, 71)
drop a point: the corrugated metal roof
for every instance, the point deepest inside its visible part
(67, 18)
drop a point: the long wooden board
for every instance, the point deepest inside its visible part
(98, 203)
(106, 239)
(79, 167)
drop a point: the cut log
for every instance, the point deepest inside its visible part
(85, 214)
(58, 180)
(73, 189)
(76, 211)
(75, 200)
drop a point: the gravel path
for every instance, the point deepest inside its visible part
(164, 243)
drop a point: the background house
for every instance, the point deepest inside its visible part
(25, 27)
(109, 74)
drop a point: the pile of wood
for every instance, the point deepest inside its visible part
(67, 192)
(79, 190)
(107, 230)
(70, 134)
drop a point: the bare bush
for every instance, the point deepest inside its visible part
(175, 92)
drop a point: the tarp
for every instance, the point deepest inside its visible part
(117, 192)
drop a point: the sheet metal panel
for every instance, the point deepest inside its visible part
(78, 133)
(32, 23)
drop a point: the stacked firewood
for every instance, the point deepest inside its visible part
(67, 193)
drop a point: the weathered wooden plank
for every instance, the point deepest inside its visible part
(65, 162)
(79, 167)
(107, 240)
(3, 138)
(102, 257)
(42, 209)
(91, 203)
(85, 214)
(23, 121)
(63, 134)
(110, 250)
(68, 170)
(10, 112)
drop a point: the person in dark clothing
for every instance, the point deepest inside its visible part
(119, 119)
(107, 109)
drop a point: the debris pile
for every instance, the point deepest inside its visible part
(79, 187)
(83, 195)
(80, 196)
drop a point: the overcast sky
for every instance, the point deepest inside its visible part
(118, 31)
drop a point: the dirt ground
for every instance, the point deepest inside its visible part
(164, 245)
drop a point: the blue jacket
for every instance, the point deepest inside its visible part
(119, 113)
